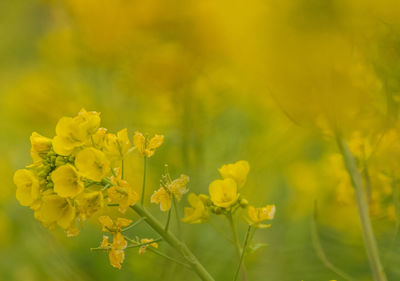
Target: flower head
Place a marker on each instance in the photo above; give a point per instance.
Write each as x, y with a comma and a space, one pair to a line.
27, 187
178, 186
237, 171
223, 193
92, 164
122, 193
168, 190
116, 146
116, 248
54, 209
198, 212
89, 203
40, 146
255, 216
162, 197
67, 181
147, 147
72, 132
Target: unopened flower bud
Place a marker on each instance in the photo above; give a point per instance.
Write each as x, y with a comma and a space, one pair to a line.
244, 203
216, 210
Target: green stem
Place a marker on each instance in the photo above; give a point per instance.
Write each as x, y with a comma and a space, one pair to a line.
144, 180
243, 253
178, 221
316, 242
175, 243
161, 254
236, 241
168, 219
133, 224
371, 246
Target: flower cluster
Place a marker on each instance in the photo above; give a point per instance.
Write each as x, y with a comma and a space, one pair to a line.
73, 173
81, 170
224, 198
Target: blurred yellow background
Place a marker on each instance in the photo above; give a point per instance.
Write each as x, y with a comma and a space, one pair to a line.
223, 81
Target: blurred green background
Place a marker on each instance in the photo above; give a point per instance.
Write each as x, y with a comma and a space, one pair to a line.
223, 81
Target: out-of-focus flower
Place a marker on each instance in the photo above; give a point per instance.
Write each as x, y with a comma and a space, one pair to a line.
40, 146
147, 147
116, 146
27, 187
72, 132
237, 171
198, 212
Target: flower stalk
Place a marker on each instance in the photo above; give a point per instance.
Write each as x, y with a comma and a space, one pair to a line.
371, 246
174, 242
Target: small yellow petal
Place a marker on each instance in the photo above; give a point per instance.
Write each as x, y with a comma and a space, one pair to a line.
92, 164
66, 181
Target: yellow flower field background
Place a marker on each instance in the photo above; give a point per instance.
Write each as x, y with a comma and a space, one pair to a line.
306, 91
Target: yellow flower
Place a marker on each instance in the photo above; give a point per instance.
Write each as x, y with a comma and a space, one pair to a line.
143, 248
116, 146
92, 164
147, 147
197, 213
27, 187
237, 171
257, 215
122, 193
72, 132
223, 193
66, 181
162, 197
89, 203
90, 120
116, 248
109, 225
178, 186
116, 257
40, 146
55, 209
97, 140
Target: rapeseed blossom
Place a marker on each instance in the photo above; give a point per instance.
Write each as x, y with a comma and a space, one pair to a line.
73, 173
255, 216
169, 190
146, 146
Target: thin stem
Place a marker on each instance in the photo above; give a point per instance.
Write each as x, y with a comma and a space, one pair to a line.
175, 243
316, 242
243, 253
178, 221
144, 179
168, 219
371, 246
135, 244
161, 254
234, 234
236, 241
133, 224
